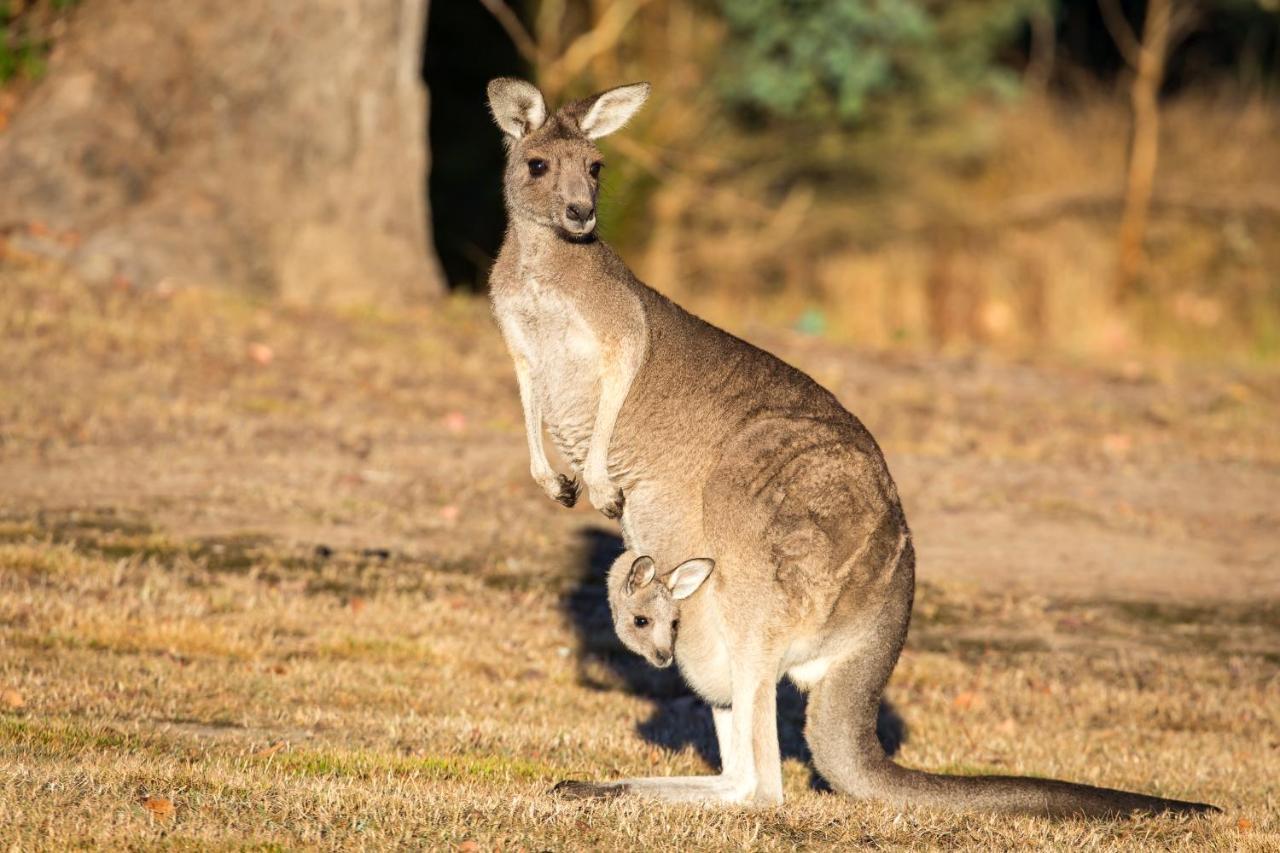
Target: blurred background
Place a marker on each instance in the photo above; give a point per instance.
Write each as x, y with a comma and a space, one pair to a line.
272, 567
1093, 178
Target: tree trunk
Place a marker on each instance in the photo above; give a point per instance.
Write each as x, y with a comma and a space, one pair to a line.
279, 146
1143, 155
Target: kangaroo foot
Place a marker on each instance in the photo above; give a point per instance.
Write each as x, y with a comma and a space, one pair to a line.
571, 789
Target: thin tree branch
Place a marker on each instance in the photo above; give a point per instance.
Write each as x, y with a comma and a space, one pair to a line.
550, 25
510, 22
1185, 18
1121, 32
1044, 43
603, 37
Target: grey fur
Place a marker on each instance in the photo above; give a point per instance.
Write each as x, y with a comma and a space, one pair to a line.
722, 449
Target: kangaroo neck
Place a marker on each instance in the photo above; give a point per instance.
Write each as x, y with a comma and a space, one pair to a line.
540, 250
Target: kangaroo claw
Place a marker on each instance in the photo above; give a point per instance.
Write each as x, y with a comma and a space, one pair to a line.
569, 488
613, 509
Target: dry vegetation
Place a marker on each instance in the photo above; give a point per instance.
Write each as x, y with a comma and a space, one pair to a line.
995, 229
278, 577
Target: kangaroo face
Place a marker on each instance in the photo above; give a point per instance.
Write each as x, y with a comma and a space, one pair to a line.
646, 611
553, 167
552, 179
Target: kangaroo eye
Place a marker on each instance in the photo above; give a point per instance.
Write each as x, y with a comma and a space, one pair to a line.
537, 167
642, 621
595, 169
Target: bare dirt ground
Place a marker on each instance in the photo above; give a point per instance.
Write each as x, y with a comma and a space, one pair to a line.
279, 577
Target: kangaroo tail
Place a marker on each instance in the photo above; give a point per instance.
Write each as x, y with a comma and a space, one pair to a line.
1012, 794
840, 729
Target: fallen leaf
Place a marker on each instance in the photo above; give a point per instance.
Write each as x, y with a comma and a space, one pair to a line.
1117, 443
268, 751
468, 847
12, 700
161, 808
261, 353
968, 699
455, 422
450, 513
356, 604
1244, 824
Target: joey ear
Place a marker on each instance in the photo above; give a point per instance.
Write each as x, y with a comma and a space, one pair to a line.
685, 579
612, 109
642, 574
517, 106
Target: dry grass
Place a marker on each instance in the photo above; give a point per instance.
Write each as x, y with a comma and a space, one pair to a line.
311, 599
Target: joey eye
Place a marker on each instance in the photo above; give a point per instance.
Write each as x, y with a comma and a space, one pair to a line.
595, 169
642, 621
537, 167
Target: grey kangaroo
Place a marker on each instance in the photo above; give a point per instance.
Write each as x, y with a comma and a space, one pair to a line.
700, 443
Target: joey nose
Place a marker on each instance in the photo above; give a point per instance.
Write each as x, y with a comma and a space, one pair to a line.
579, 212
663, 658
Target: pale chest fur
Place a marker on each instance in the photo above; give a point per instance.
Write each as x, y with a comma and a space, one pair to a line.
544, 327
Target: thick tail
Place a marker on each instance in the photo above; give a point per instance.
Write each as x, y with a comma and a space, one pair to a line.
1011, 794
840, 729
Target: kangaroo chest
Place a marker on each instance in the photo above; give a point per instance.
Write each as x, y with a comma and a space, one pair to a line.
545, 328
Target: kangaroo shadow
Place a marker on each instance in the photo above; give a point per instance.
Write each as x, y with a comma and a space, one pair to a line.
679, 717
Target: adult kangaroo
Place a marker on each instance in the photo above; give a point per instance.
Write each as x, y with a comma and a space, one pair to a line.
704, 445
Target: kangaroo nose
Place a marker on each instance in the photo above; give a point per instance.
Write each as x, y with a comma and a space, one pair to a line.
663, 657
579, 212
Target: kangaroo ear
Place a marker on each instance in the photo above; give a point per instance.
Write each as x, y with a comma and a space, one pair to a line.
612, 109
517, 106
688, 576
642, 572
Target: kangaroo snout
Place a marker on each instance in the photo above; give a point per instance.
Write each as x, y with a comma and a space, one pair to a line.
580, 212
579, 219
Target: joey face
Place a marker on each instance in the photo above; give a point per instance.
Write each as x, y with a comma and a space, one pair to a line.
553, 167
646, 608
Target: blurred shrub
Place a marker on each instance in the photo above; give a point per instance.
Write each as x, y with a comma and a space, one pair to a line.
840, 59
27, 29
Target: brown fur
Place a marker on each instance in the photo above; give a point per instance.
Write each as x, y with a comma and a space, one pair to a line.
704, 444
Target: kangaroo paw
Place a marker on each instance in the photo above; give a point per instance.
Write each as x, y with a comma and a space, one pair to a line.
569, 488
613, 508
574, 790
